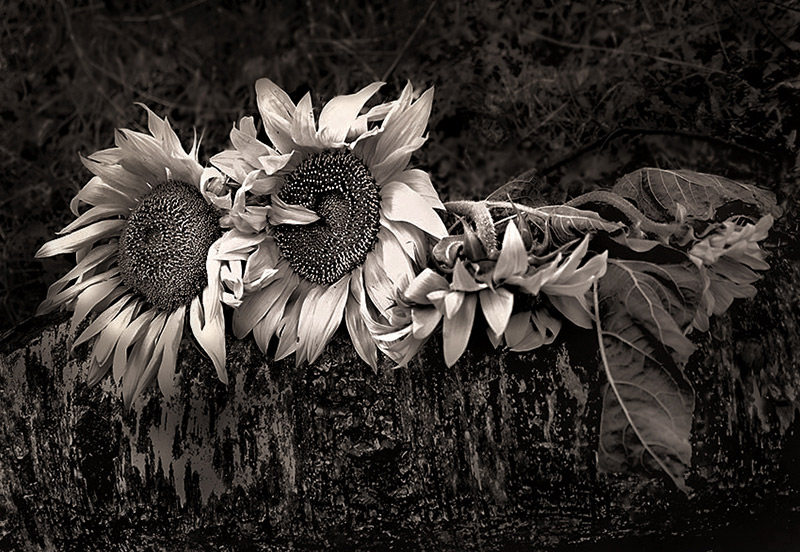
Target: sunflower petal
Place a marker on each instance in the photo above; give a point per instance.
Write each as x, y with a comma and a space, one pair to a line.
277, 111
90, 297
401, 203
320, 316
456, 330
170, 342
140, 364
463, 280
100, 323
496, 306
97, 192
207, 320
403, 126
284, 213
359, 334
92, 260
80, 238
574, 309
129, 335
304, 131
420, 181
94, 214
340, 113
410, 238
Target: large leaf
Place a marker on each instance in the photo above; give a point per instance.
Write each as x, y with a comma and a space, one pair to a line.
658, 193
565, 223
641, 310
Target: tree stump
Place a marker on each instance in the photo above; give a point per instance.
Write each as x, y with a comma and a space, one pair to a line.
495, 453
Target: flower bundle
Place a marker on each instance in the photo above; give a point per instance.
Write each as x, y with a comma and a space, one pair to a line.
326, 221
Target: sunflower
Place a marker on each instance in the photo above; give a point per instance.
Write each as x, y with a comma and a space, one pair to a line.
341, 221
149, 249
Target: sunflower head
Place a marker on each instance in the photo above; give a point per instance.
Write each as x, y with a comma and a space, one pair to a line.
344, 219
148, 250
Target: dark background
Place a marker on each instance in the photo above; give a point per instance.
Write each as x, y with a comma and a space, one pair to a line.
582, 91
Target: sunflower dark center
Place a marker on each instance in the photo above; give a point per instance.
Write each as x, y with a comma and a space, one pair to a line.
341, 190
163, 248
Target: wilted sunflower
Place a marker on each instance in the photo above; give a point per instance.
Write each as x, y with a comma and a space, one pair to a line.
344, 220
149, 249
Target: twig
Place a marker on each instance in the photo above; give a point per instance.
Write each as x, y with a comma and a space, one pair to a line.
408, 42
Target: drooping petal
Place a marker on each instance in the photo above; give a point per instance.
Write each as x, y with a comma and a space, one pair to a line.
359, 334
410, 238
575, 309
320, 316
456, 330
170, 342
92, 260
130, 335
206, 318
94, 214
103, 320
496, 306
80, 238
143, 356
401, 203
90, 297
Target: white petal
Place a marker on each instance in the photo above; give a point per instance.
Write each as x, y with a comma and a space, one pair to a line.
410, 238
420, 181
170, 342
513, 259
456, 330
320, 316
97, 192
80, 238
284, 213
401, 203
207, 320
95, 257
340, 113
424, 321
141, 364
100, 323
404, 126
304, 131
277, 111
129, 335
90, 297
359, 335
496, 306
94, 214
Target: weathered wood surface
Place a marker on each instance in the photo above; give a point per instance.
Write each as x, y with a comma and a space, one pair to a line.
496, 452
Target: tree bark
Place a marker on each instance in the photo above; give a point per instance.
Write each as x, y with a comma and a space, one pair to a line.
495, 453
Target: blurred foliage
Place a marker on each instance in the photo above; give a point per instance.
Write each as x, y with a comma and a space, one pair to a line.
582, 91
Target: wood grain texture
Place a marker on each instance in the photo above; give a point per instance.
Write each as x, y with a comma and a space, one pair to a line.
495, 453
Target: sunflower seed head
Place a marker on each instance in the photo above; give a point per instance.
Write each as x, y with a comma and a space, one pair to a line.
163, 248
342, 191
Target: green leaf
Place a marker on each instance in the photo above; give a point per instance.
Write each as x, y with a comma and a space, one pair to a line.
658, 194
641, 310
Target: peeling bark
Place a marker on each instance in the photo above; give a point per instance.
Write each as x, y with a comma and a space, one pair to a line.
496, 451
